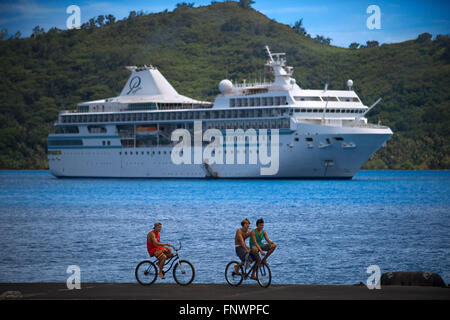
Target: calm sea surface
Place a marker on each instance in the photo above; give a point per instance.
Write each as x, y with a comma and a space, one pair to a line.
327, 232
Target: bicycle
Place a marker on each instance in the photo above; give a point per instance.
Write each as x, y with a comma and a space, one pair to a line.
263, 273
183, 271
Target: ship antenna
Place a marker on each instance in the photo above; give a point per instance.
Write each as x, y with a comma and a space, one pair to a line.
270, 54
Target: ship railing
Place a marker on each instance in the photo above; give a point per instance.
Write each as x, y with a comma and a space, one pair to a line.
366, 125
343, 123
252, 84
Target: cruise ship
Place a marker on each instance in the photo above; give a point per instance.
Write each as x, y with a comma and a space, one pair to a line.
252, 130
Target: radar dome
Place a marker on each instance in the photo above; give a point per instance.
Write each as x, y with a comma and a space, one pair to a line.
225, 86
350, 83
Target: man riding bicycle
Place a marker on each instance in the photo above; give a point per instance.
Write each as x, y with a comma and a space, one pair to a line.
256, 242
157, 248
241, 248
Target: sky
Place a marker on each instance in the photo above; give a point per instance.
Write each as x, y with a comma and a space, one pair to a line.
343, 21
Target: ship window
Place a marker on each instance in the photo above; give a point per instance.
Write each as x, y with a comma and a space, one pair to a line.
297, 139
66, 129
68, 142
83, 108
309, 139
329, 99
348, 99
270, 101
309, 110
339, 139
96, 129
277, 101
297, 110
307, 98
314, 110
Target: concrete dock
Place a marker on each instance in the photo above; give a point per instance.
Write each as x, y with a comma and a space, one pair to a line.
160, 291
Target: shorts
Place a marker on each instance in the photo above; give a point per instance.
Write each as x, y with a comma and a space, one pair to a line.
265, 247
242, 253
158, 253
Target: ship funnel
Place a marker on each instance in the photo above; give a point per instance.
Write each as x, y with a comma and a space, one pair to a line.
147, 81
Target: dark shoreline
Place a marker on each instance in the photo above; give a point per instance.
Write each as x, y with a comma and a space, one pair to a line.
172, 291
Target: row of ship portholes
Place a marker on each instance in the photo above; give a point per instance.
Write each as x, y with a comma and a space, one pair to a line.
137, 153
142, 152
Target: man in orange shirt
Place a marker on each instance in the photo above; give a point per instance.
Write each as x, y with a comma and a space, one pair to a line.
158, 249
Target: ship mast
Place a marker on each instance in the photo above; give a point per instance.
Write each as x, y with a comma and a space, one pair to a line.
281, 72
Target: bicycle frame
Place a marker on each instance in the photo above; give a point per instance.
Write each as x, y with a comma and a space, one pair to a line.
246, 275
176, 258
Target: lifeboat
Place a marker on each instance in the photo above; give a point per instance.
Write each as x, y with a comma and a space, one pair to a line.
146, 130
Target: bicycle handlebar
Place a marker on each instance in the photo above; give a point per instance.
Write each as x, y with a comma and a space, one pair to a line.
179, 248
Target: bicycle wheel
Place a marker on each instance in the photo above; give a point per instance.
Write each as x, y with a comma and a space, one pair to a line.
146, 272
264, 275
233, 279
183, 272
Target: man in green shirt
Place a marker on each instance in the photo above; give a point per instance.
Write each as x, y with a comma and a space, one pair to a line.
256, 240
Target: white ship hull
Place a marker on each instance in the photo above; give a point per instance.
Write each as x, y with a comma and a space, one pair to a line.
298, 158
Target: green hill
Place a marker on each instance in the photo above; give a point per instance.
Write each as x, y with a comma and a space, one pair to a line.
195, 48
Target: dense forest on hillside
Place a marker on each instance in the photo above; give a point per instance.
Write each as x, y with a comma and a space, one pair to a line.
195, 48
